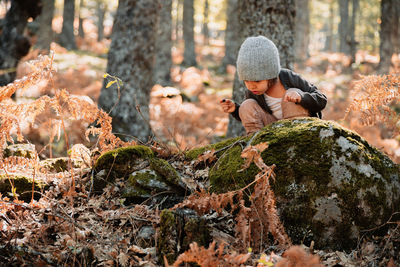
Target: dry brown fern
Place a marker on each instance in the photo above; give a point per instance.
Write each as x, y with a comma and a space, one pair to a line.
210, 257
252, 223
296, 256
374, 96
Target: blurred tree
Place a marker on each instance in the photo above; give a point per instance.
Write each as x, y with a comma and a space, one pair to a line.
189, 54
388, 20
329, 28
67, 36
101, 12
353, 43
396, 25
232, 34
13, 44
302, 31
45, 34
344, 26
131, 58
205, 23
177, 18
275, 20
162, 74
81, 32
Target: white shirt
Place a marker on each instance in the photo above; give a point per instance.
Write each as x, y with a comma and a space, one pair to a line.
275, 104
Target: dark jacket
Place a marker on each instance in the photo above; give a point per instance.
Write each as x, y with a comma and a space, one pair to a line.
311, 99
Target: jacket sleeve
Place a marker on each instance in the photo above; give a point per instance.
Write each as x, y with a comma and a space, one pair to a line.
235, 114
311, 98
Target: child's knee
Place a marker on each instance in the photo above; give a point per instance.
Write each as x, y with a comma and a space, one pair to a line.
248, 106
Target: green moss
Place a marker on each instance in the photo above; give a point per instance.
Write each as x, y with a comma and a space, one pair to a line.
165, 170
196, 230
20, 150
23, 186
120, 162
167, 238
59, 164
196, 152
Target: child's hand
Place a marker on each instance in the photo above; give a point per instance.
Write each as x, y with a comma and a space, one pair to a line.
227, 105
292, 96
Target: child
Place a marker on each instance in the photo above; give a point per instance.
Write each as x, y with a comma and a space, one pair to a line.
274, 93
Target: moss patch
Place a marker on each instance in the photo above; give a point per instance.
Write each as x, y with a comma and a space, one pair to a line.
23, 186
196, 152
20, 150
120, 162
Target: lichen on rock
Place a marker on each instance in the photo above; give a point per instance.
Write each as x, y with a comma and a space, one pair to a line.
23, 186
20, 150
330, 185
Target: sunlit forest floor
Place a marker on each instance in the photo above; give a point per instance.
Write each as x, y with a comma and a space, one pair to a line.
187, 113
184, 115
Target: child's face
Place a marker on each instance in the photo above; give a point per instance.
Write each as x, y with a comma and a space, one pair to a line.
257, 87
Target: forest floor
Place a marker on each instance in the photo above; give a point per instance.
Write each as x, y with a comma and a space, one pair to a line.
70, 227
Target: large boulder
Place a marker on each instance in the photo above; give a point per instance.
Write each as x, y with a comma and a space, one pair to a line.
331, 185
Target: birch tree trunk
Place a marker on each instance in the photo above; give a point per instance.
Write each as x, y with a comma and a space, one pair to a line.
45, 33
13, 45
275, 20
189, 55
131, 58
162, 71
67, 37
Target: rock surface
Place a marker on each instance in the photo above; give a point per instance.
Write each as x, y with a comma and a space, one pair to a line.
331, 184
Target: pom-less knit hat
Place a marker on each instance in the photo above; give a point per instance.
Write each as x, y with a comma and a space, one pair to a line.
258, 59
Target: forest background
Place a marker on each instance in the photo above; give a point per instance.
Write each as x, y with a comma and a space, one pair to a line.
161, 72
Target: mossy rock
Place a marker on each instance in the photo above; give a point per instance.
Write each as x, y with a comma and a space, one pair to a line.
20, 150
142, 184
23, 187
330, 184
60, 164
178, 229
120, 163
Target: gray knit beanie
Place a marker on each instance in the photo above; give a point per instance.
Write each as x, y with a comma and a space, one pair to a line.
258, 59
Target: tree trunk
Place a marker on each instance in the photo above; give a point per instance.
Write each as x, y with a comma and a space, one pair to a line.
388, 10
189, 55
275, 20
205, 23
67, 37
353, 42
232, 34
131, 58
13, 45
329, 27
344, 26
162, 74
101, 12
302, 31
396, 30
81, 32
178, 20
45, 33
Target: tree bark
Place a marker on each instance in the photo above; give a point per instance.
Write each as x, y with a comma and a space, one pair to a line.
131, 58
344, 26
302, 31
232, 34
189, 55
101, 12
13, 45
81, 32
388, 10
67, 37
353, 42
329, 27
275, 20
205, 23
162, 74
45, 33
